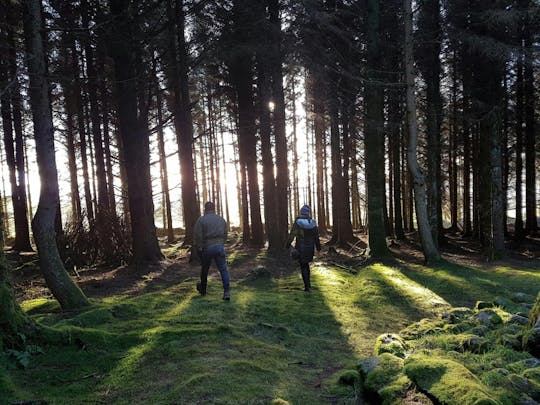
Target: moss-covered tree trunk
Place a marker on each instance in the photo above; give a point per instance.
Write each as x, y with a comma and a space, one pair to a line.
43, 225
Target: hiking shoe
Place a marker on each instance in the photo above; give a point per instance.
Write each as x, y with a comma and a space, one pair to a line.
307, 289
227, 296
200, 289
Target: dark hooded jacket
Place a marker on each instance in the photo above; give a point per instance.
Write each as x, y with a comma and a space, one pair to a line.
306, 232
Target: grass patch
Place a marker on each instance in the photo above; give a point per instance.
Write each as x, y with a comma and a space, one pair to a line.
271, 343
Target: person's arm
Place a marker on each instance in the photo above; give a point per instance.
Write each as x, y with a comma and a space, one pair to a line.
292, 235
198, 242
317, 239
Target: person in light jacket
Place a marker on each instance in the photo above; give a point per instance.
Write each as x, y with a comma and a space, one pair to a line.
306, 233
210, 235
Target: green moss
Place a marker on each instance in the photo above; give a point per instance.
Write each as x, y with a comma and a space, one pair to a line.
390, 343
386, 381
348, 377
446, 380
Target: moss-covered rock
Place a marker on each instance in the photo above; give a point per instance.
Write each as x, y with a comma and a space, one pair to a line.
496, 378
518, 320
531, 341
457, 314
488, 317
483, 305
422, 328
348, 377
386, 382
446, 380
390, 343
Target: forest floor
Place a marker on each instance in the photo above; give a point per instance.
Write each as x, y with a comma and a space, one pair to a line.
150, 338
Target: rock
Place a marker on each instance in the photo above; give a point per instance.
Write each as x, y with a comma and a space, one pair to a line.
446, 380
487, 317
483, 305
518, 367
348, 377
518, 320
390, 343
531, 341
519, 296
475, 344
526, 400
366, 365
522, 384
497, 378
511, 341
387, 383
457, 314
503, 302
479, 330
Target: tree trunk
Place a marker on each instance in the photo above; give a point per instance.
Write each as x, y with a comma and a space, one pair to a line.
319, 129
265, 129
531, 221
428, 245
134, 132
374, 135
282, 164
394, 117
95, 119
519, 231
430, 66
22, 229
43, 224
183, 122
163, 169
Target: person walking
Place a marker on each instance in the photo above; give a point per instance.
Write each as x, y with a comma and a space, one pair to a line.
306, 233
210, 235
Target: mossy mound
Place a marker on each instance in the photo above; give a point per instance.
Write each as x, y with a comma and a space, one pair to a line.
447, 380
384, 380
469, 356
390, 343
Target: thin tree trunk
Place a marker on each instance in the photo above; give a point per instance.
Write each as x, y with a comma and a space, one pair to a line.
43, 224
519, 231
531, 221
22, 229
163, 169
95, 119
319, 129
428, 245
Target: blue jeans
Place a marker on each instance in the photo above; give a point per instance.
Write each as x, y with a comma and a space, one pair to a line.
216, 253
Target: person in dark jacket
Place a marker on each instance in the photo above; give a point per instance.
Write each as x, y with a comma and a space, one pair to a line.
209, 239
306, 233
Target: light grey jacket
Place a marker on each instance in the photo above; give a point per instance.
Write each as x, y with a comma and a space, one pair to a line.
210, 230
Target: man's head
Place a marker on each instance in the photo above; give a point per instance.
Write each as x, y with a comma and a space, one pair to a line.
305, 211
209, 207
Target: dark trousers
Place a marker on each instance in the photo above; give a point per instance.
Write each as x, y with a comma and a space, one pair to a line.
304, 269
214, 253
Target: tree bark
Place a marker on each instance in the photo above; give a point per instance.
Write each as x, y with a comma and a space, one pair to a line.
43, 224
430, 66
519, 231
428, 245
278, 119
374, 135
531, 206
134, 132
183, 121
